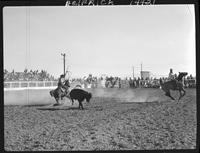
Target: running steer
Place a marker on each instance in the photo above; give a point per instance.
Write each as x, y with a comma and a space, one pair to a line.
80, 95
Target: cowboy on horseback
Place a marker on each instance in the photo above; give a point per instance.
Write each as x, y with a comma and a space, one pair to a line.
173, 84
172, 76
63, 85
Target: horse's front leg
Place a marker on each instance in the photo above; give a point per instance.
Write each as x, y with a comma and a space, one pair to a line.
57, 101
181, 95
59, 98
169, 95
184, 92
62, 95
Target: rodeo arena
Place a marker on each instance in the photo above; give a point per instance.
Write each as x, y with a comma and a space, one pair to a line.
47, 113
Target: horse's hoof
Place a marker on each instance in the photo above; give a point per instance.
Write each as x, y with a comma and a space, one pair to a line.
55, 104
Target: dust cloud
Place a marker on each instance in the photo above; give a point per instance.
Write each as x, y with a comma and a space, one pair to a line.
128, 95
42, 97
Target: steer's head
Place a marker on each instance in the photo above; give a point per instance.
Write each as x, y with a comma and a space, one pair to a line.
89, 96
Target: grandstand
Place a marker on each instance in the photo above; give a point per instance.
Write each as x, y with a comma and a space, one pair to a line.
28, 76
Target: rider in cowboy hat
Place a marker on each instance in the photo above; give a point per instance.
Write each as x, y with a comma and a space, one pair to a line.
171, 75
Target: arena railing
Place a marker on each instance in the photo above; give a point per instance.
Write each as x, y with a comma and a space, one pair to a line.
29, 84
52, 84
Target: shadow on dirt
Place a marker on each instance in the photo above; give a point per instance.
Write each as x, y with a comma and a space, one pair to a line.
58, 107
53, 108
36, 105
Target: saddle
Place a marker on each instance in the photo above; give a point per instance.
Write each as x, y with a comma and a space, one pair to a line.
177, 83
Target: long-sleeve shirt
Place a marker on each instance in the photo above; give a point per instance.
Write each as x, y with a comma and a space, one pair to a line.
61, 82
171, 76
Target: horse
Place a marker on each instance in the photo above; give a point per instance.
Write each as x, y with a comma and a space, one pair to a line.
110, 82
58, 93
175, 84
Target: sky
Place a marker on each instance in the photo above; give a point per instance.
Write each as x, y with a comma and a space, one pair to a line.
100, 40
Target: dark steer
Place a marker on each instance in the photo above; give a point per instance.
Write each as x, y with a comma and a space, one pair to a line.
80, 95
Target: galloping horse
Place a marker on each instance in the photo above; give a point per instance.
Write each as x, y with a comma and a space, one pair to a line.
174, 85
110, 81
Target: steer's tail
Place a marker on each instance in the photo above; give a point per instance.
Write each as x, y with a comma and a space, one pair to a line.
77, 86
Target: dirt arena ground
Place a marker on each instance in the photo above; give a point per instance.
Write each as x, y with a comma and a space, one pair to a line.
106, 123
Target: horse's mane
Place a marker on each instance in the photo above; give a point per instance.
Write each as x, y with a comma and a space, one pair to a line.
181, 75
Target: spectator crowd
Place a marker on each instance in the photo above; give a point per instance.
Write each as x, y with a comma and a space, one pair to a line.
111, 82
28, 75
93, 82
